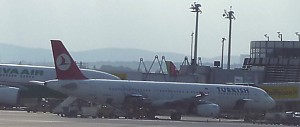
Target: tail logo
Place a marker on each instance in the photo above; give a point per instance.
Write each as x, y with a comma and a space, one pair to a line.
63, 62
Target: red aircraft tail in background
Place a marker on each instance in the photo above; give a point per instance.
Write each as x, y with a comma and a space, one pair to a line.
171, 68
65, 66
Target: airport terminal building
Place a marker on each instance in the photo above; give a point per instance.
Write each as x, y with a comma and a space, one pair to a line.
280, 63
280, 60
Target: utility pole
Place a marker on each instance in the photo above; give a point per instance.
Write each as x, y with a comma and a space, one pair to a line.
195, 8
229, 15
223, 40
192, 40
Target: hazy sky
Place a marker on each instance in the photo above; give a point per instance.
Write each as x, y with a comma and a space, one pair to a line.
154, 25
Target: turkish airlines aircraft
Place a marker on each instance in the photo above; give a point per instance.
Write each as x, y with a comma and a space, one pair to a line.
160, 98
21, 78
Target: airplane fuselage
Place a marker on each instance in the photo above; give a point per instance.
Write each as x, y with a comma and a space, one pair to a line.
153, 97
20, 76
12, 73
160, 93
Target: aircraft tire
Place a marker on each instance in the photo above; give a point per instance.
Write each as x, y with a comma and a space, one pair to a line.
176, 116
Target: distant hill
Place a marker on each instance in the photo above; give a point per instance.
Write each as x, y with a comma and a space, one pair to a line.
15, 54
120, 54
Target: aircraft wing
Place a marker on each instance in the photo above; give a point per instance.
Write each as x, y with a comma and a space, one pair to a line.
23, 86
34, 89
14, 84
195, 100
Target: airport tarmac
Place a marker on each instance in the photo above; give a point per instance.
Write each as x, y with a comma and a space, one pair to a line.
24, 119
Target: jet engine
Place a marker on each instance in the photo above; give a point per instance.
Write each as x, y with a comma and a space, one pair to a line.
208, 110
9, 95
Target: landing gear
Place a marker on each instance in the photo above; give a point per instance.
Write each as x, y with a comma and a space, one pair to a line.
250, 117
150, 115
176, 116
139, 107
140, 113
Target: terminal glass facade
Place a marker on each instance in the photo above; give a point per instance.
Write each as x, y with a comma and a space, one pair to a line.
274, 49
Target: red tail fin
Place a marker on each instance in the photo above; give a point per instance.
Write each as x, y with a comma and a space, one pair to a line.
171, 68
65, 66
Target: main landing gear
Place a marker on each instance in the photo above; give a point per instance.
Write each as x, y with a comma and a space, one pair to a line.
176, 116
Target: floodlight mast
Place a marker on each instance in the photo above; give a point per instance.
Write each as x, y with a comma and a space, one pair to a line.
229, 15
192, 40
279, 35
297, 33
195, 8
267, 36
223, 41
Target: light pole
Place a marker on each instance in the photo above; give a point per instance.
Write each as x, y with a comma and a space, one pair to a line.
267, 36
223, 40
229, 15
297, 33
195, 8
192, 40
280, 36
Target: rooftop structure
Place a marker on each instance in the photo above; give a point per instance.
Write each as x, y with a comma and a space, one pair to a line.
280, 60
274, 49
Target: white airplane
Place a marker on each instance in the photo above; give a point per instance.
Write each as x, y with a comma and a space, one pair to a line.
21, 78
160, 98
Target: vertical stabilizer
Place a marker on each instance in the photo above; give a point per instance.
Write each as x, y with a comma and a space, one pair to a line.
65, 66
171, 68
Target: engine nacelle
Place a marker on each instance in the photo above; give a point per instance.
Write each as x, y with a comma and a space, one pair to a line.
208, 110
9, 95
